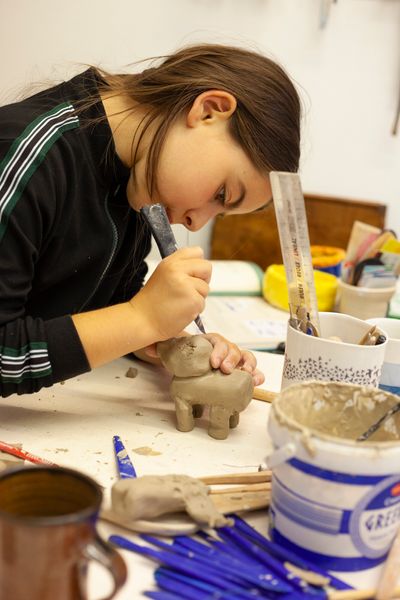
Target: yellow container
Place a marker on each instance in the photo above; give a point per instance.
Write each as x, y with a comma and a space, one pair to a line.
276, 293
326, 256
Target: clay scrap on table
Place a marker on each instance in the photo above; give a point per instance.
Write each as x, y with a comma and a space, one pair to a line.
150, 496
131, 372
196, 384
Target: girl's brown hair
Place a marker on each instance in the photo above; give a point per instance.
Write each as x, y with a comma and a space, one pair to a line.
266, 122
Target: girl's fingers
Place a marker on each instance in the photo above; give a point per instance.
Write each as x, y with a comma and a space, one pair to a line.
248, 361
258, 377
225, 355
201, 287
219, 353
151, 351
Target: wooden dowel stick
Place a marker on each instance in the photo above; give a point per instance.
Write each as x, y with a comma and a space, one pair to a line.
358, 594
390, 573
240, 502
236, 489
255, 477
264, 395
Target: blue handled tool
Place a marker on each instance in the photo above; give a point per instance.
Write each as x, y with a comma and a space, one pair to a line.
126, 470
157, 219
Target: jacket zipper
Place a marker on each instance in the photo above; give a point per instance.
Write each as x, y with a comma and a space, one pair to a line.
113, 248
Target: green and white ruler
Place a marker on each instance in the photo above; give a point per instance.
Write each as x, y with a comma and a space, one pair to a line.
295, 245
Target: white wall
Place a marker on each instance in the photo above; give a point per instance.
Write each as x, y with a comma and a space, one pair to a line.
349, 71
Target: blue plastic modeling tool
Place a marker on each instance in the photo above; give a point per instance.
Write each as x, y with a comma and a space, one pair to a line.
286, 555
162, 596
193, 589
249, 573
179, 563
264, 558
125, 467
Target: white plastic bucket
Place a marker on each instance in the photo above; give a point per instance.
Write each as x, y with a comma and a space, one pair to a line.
334, 501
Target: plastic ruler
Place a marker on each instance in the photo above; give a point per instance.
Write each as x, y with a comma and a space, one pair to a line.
295, 245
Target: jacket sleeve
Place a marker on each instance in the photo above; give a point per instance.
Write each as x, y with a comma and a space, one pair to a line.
131, 282
34, 352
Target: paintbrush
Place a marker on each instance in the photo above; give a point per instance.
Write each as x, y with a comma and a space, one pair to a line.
9, 449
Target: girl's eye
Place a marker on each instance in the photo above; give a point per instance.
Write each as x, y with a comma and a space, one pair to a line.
221, 196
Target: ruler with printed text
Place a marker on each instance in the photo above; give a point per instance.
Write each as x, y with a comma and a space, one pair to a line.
295, 245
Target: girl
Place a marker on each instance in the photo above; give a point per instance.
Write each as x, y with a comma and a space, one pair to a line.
198, 133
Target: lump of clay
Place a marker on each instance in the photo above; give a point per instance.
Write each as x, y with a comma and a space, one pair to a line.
150, 496
194, 386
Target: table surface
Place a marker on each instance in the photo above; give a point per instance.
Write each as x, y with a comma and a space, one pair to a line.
73, 423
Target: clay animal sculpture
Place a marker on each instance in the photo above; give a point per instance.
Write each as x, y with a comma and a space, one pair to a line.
196, 384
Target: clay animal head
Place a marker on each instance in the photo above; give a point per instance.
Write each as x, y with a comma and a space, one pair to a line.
196, 384
186, 356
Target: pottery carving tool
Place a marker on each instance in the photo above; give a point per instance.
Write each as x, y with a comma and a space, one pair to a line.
367, 434
157, 219
295, 245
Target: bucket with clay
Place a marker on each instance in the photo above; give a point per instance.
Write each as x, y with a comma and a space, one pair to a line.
335, 500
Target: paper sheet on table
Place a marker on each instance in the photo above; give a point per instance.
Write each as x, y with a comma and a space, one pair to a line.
250, 322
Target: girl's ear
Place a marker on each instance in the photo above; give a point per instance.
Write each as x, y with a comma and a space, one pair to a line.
211, 106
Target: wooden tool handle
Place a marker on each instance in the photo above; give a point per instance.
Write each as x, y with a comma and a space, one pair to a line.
253, 477
240, 489
246, 501
358, 594
264, 395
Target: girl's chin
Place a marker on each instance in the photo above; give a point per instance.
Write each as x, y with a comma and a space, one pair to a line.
170, 218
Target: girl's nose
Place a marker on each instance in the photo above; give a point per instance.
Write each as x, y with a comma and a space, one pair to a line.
195, 219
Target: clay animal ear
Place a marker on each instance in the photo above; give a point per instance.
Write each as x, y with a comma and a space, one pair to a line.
186, 356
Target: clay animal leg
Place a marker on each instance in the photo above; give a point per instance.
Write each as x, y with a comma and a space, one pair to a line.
234, 420
198, 410
184, 414
219, 422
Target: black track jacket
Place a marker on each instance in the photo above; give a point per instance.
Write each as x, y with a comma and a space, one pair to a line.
69, 242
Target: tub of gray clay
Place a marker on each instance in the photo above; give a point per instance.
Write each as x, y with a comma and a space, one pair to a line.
333, 497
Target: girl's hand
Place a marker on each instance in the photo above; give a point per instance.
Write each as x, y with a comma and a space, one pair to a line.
226, 356
175, 293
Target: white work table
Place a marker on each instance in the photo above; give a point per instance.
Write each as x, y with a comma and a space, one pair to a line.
72, 424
